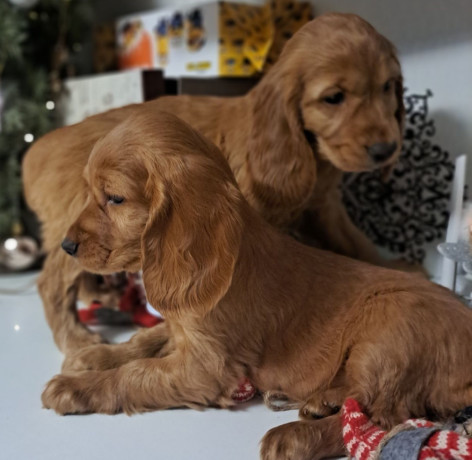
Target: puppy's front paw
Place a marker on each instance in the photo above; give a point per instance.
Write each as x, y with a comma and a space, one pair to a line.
79, 338
63, 395
94, 357
286, 442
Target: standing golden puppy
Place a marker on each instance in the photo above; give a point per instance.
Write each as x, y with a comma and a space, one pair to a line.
332, 103
243, 300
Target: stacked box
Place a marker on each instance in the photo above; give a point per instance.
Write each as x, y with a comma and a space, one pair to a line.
86, 96
208, 40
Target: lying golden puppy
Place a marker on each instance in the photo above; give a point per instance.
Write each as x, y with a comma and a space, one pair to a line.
242, 300
332, 103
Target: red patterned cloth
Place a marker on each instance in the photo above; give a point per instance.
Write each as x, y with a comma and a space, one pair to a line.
244, 392
131, 309
366, 441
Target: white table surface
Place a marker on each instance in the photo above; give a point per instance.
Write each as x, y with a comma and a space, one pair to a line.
29, 358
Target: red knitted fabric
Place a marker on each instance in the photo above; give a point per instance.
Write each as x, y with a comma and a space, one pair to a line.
447, 445
362, 437
244, 392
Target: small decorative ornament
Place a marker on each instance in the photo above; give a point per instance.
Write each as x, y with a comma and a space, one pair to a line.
459, 252
18, 253
457, 249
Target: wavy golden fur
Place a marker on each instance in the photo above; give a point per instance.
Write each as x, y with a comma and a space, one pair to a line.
334, 95
242, 299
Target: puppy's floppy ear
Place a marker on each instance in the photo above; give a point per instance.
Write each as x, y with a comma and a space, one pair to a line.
281, 162
400, 112
386, 171
191, 241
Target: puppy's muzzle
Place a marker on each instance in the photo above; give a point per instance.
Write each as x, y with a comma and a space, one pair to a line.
69, 246
382, 151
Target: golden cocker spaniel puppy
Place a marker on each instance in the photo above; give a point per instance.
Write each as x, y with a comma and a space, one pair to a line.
332, 103
243, 300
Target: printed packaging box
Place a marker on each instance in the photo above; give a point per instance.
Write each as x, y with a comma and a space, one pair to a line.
208, 40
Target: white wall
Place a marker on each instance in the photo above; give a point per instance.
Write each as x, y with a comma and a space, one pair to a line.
447, 71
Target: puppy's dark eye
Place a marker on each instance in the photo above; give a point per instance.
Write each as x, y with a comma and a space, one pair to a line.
115, 199
387, 86
334, 99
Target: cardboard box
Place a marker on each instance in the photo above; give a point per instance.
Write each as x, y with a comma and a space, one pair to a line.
90, 95
208, 40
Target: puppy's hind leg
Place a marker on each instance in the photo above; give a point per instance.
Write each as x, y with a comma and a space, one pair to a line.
304, 440
323, 403
278, 401
57, 285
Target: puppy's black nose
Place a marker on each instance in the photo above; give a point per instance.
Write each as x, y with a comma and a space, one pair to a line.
69, 246
381, 151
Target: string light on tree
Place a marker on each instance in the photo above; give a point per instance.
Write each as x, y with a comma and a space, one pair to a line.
29, 138
10, 244
24, 3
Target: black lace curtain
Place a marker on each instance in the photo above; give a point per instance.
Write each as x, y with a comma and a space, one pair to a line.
411, 208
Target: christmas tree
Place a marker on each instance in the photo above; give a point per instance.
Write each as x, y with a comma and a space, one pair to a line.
40, 44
